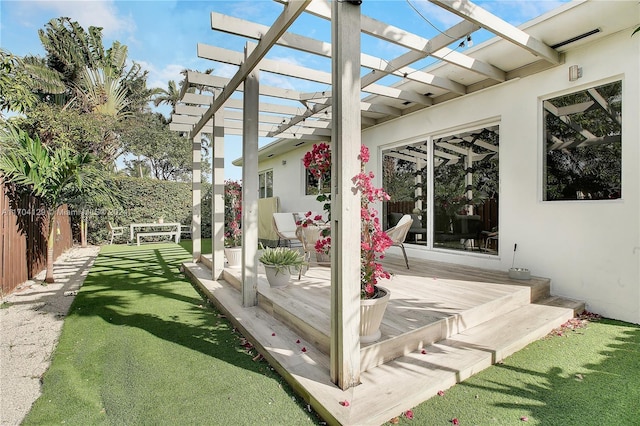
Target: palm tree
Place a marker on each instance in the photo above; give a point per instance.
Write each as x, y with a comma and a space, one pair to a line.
52, 176
170, 96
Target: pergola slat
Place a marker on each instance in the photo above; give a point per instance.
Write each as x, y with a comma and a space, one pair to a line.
471, 12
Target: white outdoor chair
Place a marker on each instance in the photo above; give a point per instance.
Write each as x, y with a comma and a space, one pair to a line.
399, 233
185, 229
114, 231
284, 225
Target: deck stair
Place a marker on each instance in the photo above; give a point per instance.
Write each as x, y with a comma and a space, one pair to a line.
440, 328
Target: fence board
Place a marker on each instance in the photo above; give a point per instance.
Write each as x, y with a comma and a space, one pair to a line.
23, 242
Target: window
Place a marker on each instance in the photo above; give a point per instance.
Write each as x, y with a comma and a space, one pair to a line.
583, 144
460, 194
465, 190
312, 185
265, 184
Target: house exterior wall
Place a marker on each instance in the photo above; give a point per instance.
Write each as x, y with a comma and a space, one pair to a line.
288, 181
589, 249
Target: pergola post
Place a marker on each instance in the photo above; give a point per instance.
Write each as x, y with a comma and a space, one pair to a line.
345, 208
250, 188
196, 197
217, 198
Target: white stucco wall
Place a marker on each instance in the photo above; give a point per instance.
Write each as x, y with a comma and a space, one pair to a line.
288, 181
589, 249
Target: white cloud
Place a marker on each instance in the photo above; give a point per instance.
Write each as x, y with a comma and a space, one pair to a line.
160, 77
97, 13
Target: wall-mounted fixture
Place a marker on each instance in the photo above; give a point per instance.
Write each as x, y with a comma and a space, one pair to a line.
575, 72
284, 162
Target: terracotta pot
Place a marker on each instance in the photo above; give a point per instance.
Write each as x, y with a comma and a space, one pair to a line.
234, 256
371, 313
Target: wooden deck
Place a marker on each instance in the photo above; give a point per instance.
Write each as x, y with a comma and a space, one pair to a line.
443, 324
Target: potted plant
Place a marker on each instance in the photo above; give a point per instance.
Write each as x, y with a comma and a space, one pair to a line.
278, 262
232, 221
373, 243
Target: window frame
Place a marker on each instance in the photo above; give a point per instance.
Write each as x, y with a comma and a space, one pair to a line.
543, 169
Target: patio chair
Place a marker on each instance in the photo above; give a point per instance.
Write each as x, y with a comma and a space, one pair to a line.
284, 225
399, 233
114, 231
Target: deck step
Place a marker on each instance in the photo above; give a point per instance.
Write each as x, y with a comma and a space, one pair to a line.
453, 360
401, 384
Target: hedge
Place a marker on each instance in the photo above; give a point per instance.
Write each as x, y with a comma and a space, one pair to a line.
146, 200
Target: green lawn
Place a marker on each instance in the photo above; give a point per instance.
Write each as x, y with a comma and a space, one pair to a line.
140, 346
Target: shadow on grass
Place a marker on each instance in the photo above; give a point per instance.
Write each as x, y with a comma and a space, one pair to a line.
142, 287
603, 391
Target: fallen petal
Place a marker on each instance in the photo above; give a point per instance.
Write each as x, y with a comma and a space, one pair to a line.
440, 393
304, 349
273, 334
395, 420
298, 341
409, 414
424, 352
455, 421
344, 403
524, 418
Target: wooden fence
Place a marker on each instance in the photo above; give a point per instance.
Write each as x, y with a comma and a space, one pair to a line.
23, 238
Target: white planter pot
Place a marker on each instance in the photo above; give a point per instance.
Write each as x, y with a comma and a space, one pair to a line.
234, 256
277, 278
371, 313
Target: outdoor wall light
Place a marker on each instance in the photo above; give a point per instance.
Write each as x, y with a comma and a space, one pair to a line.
575, 72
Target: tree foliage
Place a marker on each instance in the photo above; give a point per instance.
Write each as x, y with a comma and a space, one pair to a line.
54, 176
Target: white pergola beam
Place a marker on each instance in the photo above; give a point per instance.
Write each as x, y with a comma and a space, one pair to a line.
474, 13
389, 33
291, 11
240, 27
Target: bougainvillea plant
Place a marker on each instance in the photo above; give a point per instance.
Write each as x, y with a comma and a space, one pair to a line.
232, 213
374, 241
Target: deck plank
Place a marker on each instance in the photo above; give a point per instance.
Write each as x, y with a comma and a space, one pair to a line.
464, 318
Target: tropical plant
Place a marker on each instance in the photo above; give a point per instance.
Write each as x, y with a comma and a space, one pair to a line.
373, 240
282, 258
232, 213
52, 175
15, 84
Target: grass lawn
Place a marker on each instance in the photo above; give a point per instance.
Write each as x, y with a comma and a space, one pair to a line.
140, 346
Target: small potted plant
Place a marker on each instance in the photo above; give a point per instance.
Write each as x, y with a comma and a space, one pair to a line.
278, 262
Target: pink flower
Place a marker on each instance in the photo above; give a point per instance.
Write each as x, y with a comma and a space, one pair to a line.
455, 421
374, 240
409, 414
440, 393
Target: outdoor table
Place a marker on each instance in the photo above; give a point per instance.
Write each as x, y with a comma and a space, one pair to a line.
169, 225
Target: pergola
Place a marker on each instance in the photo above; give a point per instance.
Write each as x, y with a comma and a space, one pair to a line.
363, 91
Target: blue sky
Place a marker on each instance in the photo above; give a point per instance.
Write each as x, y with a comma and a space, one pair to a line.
162, 35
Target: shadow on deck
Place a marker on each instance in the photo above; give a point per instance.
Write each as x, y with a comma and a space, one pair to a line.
444, 323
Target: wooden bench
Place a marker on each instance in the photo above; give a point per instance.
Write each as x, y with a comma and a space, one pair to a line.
155, 234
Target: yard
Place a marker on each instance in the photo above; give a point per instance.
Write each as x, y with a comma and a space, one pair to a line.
140, 346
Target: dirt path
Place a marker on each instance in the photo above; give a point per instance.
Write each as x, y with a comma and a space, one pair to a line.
30, 324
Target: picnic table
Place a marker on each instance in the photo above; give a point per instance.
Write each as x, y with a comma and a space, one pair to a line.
154, 229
